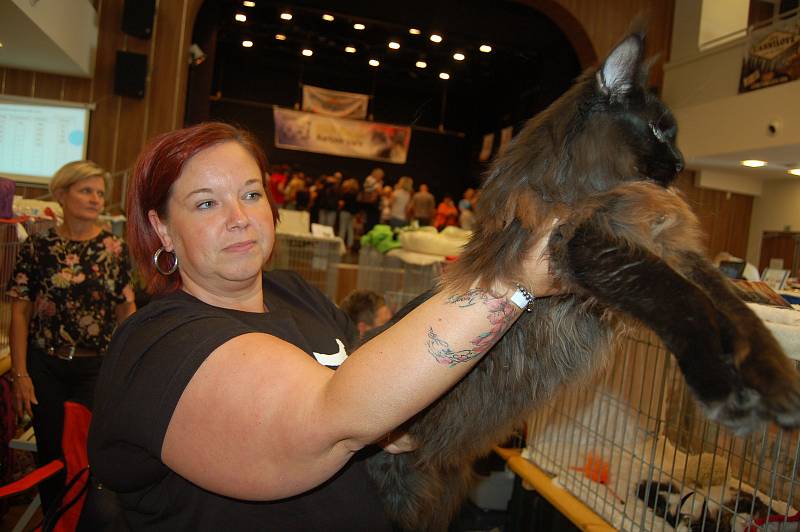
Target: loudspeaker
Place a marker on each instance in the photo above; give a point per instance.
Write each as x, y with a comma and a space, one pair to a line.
130, 74
137, 18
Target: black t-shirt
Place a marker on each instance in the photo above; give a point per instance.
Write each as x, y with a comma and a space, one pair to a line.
152, 358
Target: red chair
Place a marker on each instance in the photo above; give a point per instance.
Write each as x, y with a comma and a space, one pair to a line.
76, 461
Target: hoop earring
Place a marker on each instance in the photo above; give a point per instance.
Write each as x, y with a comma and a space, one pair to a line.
157, 255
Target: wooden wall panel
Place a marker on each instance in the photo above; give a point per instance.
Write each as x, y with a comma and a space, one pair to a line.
724, 216
604, 23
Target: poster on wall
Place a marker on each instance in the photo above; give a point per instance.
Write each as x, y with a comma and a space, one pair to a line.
334, 103
298, 130
772, 56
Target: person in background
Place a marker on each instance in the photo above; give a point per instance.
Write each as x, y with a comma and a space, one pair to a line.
446, 213
328, 199
367, 309
466, 210
348, 208
423, 205
398, 203
70, 288
296, 185
370, 197
386, 204
277, 183
465, 203
219, 407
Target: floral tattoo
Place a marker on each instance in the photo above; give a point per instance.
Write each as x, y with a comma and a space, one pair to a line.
500, 316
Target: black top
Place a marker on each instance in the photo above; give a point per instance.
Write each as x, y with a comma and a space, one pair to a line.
152, 358
74, 286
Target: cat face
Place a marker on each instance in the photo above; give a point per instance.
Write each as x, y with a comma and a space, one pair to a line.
638, 130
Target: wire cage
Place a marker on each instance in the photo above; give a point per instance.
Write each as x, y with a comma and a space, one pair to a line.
10, 241
637, 450
397, 280
314, 258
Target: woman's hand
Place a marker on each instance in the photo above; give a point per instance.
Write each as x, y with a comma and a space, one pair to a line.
541, 282
24, 395
397, 442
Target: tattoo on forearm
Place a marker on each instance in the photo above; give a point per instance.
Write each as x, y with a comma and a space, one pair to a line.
500, 316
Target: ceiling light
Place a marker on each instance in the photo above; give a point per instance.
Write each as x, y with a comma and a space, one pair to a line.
247, 44
240, 17
327, 17
280, 37
394, 45
306, 52
435, 37
358, 26
414, 31
421, 64
374, 62
350, 49
458, 56
754, 163
485, 48
444, 75
286, 15
248, 3
1, 45
795, 171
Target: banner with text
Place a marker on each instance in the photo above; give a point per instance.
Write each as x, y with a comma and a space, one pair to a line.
334, 103
297, 130
772, 56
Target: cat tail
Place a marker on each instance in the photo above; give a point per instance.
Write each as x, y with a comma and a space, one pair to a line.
418, 498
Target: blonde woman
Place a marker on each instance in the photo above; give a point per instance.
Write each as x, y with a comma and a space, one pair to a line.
71, 286
399, 201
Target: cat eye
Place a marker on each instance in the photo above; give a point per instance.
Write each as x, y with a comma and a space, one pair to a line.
658, 133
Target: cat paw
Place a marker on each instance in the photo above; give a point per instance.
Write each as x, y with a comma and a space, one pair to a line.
764, 393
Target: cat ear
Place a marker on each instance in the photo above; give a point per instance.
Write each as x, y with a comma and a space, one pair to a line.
621, 69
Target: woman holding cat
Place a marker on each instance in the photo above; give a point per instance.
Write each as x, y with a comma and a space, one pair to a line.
213, 413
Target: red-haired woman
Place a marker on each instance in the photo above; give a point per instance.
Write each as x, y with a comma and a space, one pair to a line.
212, 412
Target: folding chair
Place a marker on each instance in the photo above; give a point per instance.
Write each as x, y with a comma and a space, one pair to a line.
76, 462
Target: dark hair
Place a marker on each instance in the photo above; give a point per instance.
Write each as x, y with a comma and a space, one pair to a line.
158, 166
361, 305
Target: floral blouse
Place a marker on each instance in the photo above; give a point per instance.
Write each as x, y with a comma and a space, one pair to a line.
75, 287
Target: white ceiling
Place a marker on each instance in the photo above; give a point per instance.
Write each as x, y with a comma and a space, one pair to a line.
56, 36
779, 160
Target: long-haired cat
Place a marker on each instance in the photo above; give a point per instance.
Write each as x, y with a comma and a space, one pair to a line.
626, 246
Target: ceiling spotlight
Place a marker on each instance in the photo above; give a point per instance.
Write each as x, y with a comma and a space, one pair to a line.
248, 3
327, 17
240, 17
421, 64
374, 62
458, 56
394, 45
247, 44
485, 48
286, 15
350, 49
414, 31
444, 75
795, 171
754, 163
435, 37
306, 52
280, 37
358, 26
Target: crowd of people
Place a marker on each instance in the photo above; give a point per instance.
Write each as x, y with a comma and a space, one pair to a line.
353, 207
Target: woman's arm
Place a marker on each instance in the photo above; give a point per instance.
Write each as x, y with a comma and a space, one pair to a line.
24, 395
261, 420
